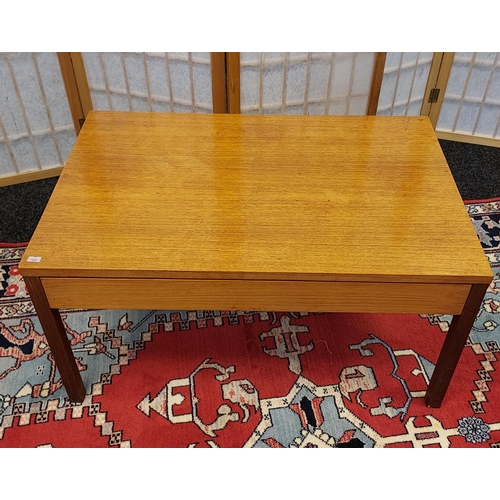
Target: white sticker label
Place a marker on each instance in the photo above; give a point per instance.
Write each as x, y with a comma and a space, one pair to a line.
33, 259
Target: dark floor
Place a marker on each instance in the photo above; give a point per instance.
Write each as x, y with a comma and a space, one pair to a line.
476, 170
21, 206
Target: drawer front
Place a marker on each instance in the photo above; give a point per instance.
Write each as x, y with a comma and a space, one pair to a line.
255, 295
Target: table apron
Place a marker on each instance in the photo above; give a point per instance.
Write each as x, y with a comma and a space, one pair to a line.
255, 295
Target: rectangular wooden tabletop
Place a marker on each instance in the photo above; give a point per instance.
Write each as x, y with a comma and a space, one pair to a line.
160, 195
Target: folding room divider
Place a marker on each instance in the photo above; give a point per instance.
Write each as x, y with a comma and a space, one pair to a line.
46, 96
461, 96
36, 127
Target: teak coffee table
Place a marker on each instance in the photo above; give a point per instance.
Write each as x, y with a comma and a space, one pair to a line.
252, 212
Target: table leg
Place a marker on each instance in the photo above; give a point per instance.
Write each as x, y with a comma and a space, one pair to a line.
453, 345
56, 336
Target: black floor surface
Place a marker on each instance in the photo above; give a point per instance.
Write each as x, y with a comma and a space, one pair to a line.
476, 170
21, 206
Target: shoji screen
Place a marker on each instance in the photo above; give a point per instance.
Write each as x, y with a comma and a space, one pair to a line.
150, 81
332, 83
404, 83
472, 99
36, 127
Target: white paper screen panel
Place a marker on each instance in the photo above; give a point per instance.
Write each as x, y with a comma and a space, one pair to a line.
471, 103
404, 82
314, 83
150, 81
36, 127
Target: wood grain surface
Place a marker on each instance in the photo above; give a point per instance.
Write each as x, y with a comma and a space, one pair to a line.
159, 195
255, 295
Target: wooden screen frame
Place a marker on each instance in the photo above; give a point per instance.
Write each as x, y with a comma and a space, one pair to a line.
78, 90
80, 103
376, 86
226, 83
77, 86
438, 78
233, 82
218, 63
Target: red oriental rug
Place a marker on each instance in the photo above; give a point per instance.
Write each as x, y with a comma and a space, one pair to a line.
248, 379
